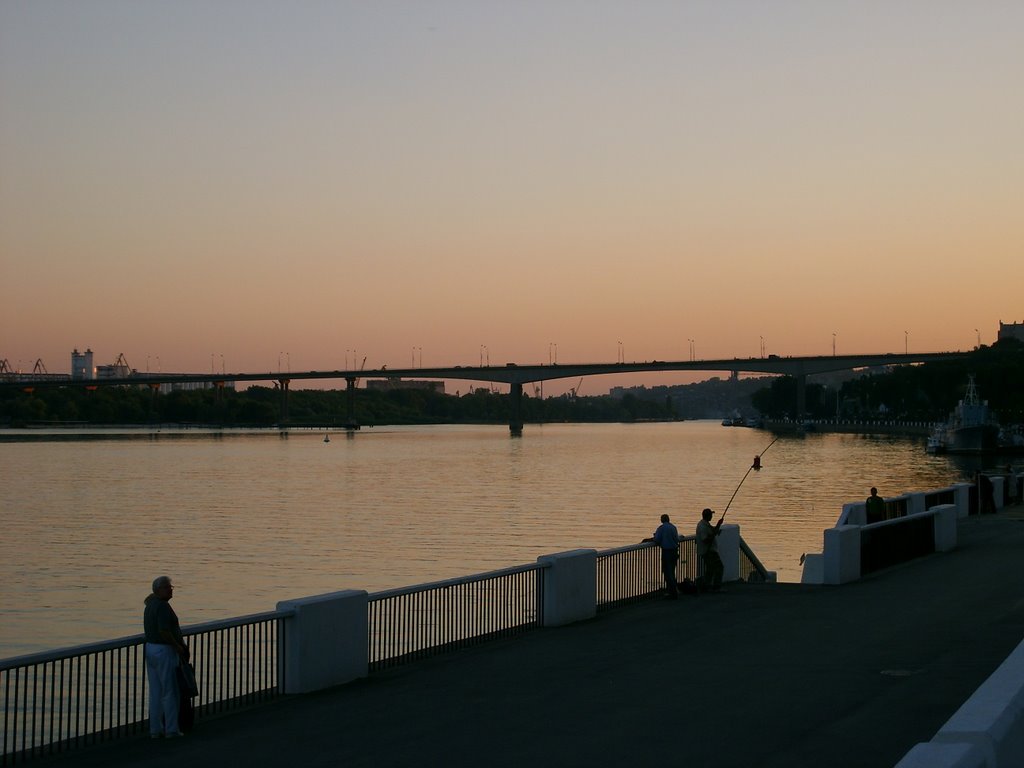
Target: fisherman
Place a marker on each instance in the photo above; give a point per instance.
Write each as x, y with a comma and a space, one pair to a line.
667, 538
707, 549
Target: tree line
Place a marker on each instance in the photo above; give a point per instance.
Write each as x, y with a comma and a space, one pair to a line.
913, 392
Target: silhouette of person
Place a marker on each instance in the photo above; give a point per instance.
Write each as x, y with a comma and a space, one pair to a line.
874, 507
165, 650
667, 539
707, 549
986, 495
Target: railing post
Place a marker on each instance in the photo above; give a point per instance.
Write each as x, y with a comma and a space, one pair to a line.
729, 551
325, 640
962, 495
997, 490
915, 503
842, 554
945, 527
570, 586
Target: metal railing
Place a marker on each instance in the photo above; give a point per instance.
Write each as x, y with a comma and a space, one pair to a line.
427, 619
938, 497
633, 573
59, 700
751, 569
895, 541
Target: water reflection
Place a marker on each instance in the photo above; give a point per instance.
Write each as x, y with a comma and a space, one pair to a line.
243, 520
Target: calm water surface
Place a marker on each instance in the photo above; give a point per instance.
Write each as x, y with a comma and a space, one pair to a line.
242, 520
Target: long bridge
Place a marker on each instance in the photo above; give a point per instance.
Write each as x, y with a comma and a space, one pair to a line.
513, 374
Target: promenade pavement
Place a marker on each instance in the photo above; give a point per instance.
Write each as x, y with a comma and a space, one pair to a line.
761, 675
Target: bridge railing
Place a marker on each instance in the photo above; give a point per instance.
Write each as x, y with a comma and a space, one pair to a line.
59, 700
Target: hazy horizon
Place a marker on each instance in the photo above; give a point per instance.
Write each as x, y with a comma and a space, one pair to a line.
424, 181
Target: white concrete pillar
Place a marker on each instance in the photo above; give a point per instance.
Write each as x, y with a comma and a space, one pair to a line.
814, 569
570, 586
945, 527
854, 513
915, 503
962, 494
842, 554
729, 551
997, 489
325, 640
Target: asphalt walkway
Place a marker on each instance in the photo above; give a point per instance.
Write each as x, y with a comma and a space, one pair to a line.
761, 675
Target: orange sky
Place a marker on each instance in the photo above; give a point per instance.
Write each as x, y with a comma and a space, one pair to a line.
251, 180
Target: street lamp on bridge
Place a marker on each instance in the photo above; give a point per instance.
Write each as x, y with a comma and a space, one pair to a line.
833, 343
906, 342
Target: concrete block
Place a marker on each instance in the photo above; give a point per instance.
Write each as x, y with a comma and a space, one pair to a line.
945, 527
842, 554
325, 640
854, 513
915, 503
962, 492
814, 569
993, 717
932, 755
998, 481
729, 551
570, 586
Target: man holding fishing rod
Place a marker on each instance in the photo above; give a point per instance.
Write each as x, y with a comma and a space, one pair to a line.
707, 550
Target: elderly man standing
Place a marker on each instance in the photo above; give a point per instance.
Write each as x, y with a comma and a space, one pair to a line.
165, 648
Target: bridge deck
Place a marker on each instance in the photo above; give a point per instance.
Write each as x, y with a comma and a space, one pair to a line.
759, 676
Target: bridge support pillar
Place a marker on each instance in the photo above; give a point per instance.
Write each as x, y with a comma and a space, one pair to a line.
515, 420
350, 417
283, 383
801, 395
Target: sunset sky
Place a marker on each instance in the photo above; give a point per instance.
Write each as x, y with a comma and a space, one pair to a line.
257, 179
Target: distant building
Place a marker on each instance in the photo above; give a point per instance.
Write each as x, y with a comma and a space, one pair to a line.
81, 366
390, 384
1011, 331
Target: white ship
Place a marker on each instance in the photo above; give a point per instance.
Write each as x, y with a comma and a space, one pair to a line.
971, 427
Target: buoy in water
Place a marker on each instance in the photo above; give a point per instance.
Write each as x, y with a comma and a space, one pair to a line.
757, 464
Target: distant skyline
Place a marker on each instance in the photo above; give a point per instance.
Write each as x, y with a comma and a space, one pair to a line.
429, 180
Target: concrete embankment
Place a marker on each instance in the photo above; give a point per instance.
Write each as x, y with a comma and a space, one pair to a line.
762, 675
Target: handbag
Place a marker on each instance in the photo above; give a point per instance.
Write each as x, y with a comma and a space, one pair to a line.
187, 679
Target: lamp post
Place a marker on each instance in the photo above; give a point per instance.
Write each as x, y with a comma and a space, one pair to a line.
833, 343
622, 354
906, 342
762, 346
978, 334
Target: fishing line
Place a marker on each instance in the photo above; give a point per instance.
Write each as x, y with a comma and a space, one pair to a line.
755, 465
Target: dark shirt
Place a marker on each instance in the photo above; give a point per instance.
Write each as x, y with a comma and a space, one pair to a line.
874, 509
667, 536
159, 616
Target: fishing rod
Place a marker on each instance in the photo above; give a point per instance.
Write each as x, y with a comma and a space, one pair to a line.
756, 465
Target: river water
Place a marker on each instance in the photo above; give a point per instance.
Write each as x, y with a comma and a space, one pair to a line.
244, 519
